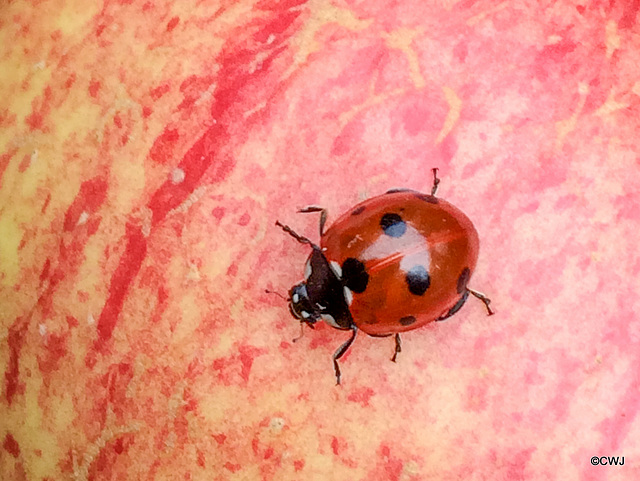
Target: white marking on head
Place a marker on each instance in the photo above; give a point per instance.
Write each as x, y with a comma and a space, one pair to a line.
305, 314
328, 318
337, 270
348, 295
307, 269
295, 298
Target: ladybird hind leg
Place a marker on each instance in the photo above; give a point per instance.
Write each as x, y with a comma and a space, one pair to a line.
398, 347
484, 299
323, 215
341, 352
436, 181
458, 305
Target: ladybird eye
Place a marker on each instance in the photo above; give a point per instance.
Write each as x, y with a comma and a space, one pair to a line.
295, 298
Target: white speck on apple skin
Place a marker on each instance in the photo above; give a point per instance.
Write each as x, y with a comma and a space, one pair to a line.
84, 217
177, 176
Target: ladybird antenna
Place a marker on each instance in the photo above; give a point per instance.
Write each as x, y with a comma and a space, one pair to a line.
299, 238
277, 294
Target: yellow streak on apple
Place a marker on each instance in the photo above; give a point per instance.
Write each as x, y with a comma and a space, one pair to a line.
29, 425
9, 258
189, 318
455, 106
127, 182
215, 410
402, 39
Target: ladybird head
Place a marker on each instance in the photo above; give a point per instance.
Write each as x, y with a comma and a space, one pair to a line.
300, 305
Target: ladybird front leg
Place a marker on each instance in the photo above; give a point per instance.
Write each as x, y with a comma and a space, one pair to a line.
341, 351
323, 215
398, 347
484, 299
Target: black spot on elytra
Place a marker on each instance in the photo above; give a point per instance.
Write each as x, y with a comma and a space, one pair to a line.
359, 210
393, 225
354, 275
463, 280
418, 280
431, 199
407, 321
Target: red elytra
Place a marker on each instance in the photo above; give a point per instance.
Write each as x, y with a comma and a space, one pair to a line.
390, 264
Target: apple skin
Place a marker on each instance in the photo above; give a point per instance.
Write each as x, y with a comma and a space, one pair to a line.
146, 149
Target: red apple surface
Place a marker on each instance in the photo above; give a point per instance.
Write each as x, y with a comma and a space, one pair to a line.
146, 150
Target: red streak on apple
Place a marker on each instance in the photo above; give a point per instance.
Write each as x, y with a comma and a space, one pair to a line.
162, 149
54, 350
389, 464
94, 88
24, 165
129, 266
15, 341
40, 108
89, 199
298, 465
335, 445
173, 23
200, 458
233, 467
192, 89
4, 161
158, 92
361, 395
630, 14
11, 446
72, 321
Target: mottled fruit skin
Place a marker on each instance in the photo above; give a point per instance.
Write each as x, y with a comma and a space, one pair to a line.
390, 264
418, 261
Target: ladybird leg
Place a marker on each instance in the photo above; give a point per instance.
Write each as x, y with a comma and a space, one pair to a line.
323, 215
301, 333
398, 347
436, 181
341, 351
484, 299
299, 238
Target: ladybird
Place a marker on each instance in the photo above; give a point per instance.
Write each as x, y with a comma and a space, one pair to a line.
391, 264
